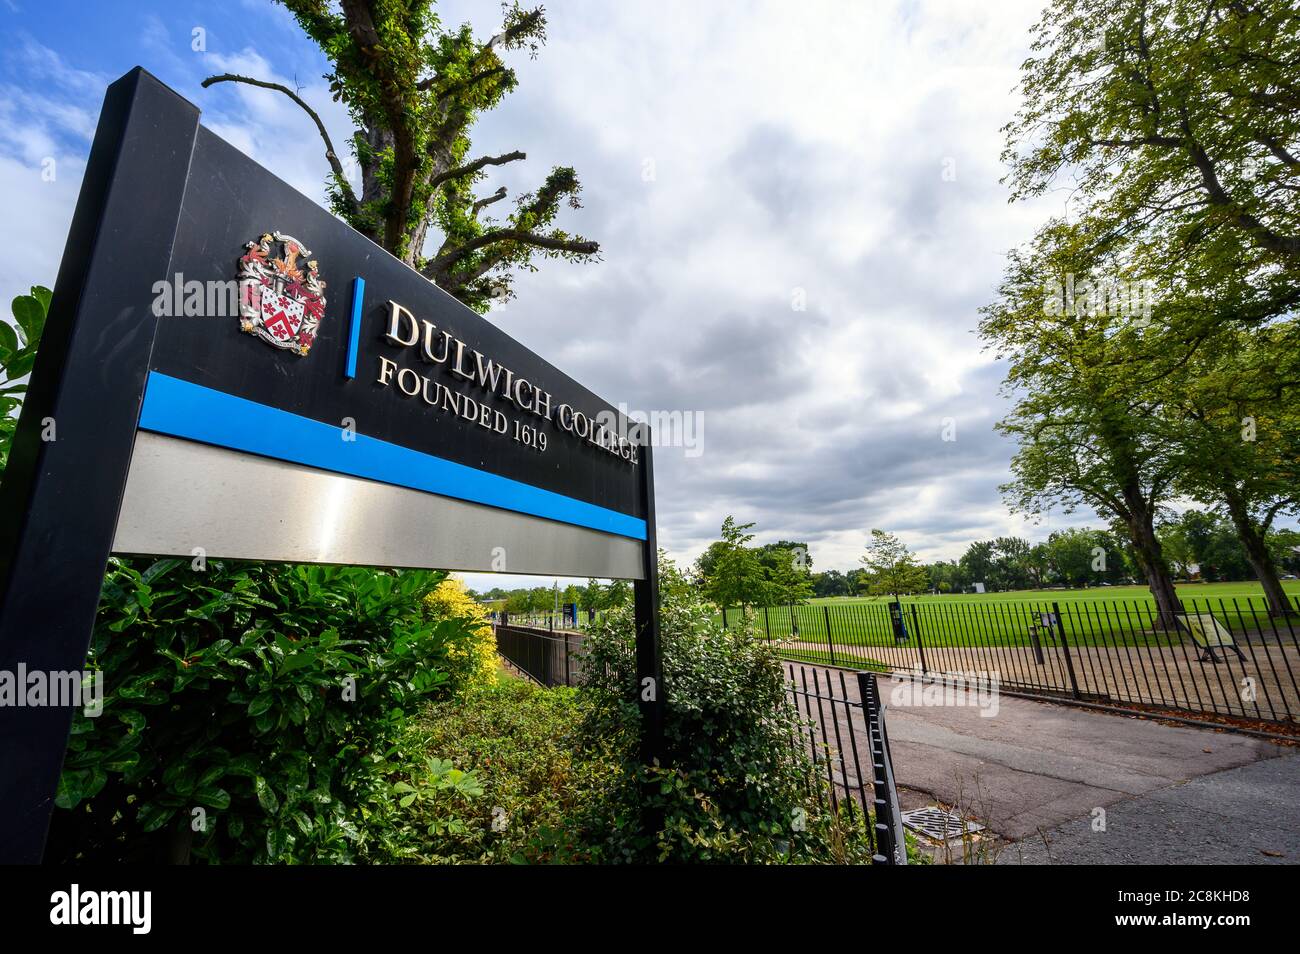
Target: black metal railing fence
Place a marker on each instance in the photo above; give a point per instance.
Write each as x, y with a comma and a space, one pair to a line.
1222, 657
549, 658
844, 733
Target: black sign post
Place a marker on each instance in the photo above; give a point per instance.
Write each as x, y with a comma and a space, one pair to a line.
229, 370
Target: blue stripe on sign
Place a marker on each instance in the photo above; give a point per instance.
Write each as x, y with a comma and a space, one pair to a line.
197, 413
354, 330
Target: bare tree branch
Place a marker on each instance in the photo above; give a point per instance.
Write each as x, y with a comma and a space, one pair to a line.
1286, 244
494, 197
443, 262
469, 82
578, 246
1278, 150
330, 154
475, 166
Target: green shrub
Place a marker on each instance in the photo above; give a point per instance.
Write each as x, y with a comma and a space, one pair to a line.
18, 343
526, 791
731, 785
249, 710
475, 662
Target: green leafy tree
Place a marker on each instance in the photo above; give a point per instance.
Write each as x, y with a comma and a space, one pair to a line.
978, 561
1011, 563
1036, 565
1086, 417
1080, 556
1177, 549
1206, 540
786, 579
735, 576
618, 594
414, 88
1176, 123
1238, 396
591, 596
1284, 545
541, 599
796, 549
948, 576
830, 583
708, 560
891, 568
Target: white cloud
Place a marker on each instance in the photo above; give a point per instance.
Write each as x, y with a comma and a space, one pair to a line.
794, 146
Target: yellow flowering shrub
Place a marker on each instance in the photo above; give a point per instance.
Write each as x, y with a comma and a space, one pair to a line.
474, 661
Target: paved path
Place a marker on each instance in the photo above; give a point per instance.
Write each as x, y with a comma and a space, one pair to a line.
1033, 767
1245, 815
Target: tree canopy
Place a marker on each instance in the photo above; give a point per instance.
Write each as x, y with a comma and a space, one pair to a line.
414, 89
1177, 121
892, 570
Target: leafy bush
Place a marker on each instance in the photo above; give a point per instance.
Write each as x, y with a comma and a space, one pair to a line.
18, 344
249, 710
473, 661
731, 785
527, 790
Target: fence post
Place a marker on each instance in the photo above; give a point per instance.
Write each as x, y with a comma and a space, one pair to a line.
890, 843
724, 617
916, 628
1065, 649
826, 613
567, 680
767, 626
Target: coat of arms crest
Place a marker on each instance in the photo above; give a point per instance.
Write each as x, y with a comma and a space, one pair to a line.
281, 300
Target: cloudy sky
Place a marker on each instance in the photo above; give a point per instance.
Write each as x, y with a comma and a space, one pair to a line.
798, 205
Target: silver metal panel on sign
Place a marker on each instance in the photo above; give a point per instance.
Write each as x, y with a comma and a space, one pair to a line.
181, 495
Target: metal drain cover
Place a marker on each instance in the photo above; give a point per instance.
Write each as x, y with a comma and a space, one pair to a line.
938, 824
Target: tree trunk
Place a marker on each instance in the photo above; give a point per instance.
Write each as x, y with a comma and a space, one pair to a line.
1141, 526
1261, 561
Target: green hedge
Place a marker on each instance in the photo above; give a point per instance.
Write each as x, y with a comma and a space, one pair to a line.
249, 710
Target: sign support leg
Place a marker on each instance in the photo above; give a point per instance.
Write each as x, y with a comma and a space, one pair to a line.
646, 601
60, 497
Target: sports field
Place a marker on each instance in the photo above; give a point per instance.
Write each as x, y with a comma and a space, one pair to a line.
1187, 591
1107, 644
1106, 615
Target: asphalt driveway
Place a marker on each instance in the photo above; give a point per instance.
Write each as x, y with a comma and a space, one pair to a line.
1065, 784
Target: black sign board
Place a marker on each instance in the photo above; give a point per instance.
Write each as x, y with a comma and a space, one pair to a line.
234, 372
897, 622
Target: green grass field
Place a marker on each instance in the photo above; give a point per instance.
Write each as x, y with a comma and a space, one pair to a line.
1187, 591
1102, 616
1197, 592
